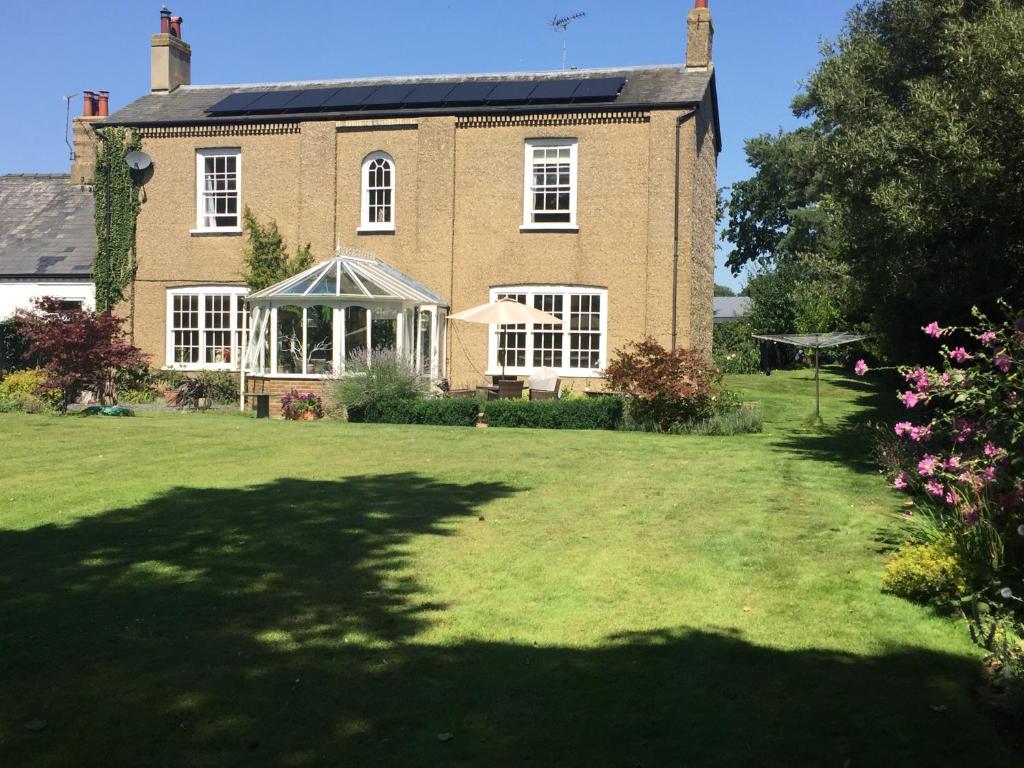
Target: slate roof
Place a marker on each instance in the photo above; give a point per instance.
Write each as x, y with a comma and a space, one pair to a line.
731, 307
46, 227
646, 87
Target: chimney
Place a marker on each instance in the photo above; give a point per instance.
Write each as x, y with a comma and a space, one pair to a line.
700, 36
94, 108
171, 57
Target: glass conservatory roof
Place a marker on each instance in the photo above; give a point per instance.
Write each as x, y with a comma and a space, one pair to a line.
351, 275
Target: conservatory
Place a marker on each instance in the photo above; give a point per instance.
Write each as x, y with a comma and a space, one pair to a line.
307, 326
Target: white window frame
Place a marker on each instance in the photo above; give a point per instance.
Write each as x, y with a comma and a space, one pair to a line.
201, 156
365, 225
237, 294
528, 209
567, 292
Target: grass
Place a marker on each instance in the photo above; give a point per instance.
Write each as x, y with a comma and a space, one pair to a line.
211, 590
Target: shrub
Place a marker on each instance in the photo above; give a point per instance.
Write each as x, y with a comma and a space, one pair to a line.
663, 387
23, 404
442, 411
29, 384
80, 349
385, 377
13, 346
734, 421
136, 396
295, 405
567, 413
927, 572
221, 386
735, 350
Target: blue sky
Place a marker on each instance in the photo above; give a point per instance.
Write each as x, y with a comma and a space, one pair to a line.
763, 49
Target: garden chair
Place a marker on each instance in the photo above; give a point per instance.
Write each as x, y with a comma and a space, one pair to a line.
544, 385
507, 390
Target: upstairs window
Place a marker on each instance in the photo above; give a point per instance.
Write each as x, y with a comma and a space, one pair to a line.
378, 206
550, 184
218, 181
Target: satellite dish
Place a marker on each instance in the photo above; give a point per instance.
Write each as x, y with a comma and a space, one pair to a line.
138, 161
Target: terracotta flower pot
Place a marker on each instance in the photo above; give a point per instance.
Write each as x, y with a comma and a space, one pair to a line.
307, 416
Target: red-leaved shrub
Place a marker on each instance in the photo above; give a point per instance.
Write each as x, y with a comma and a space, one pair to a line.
78, 348
664, 387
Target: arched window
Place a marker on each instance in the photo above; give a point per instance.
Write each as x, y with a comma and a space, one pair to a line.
378, 208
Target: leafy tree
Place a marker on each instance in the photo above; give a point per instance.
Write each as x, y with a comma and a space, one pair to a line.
80, 349
909, 169
266, 257
724, 290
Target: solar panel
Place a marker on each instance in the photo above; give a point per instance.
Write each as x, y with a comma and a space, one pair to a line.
349, 98
429, 93
236, 102
388, 96
554, 90
514, 91
469, 93
599, 88
311, 99
272, 101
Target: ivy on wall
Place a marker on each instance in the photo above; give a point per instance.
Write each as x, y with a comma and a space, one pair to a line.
114, 266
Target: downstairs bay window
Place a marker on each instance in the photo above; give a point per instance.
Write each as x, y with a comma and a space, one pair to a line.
577, 347
204, 327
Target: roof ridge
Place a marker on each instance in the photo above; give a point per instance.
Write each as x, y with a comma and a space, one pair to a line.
35, 175
435, 78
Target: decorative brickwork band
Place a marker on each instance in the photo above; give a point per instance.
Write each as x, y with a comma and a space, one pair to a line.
204, 131
571, 118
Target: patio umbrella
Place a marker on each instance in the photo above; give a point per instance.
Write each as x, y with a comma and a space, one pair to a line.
504, 312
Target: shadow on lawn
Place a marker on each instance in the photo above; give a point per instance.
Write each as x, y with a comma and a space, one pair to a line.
264, 626
848, 440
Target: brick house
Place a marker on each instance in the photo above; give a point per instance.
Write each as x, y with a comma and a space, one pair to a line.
589, 194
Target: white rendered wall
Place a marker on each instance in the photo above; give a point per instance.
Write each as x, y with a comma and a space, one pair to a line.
16, 294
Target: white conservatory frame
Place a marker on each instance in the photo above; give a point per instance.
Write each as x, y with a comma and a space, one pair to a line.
351, 279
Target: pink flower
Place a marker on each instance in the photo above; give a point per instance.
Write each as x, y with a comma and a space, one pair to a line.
971, 515
989, 473
950, 499
945, 378
992, 450
919, 378
953, 462
903, 428
934, 487
860, 368
900, 483
1003, 363
910, 399
926, 467
960, 355
917, 434
987, 337
933, 330
964, 430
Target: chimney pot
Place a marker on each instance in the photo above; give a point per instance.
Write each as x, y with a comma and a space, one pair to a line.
176, 26
165, 20
88, 105
700, 4
104, 104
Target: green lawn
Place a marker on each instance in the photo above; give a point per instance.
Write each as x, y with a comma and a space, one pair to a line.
211, 590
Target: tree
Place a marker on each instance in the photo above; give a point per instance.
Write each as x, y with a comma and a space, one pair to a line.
910, 167
79, 349
724, 290
266, 256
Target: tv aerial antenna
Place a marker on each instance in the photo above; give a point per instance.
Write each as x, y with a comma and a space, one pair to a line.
561, 24
67, 123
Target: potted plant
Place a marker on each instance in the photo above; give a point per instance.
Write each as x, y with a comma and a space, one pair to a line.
302, 406
193, 394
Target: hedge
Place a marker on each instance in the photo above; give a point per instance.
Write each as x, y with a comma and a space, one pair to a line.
571, 413
445, 412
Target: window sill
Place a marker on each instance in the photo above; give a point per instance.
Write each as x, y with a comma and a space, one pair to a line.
375, 231
217, 231
549, 228
572, 373
193, 367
